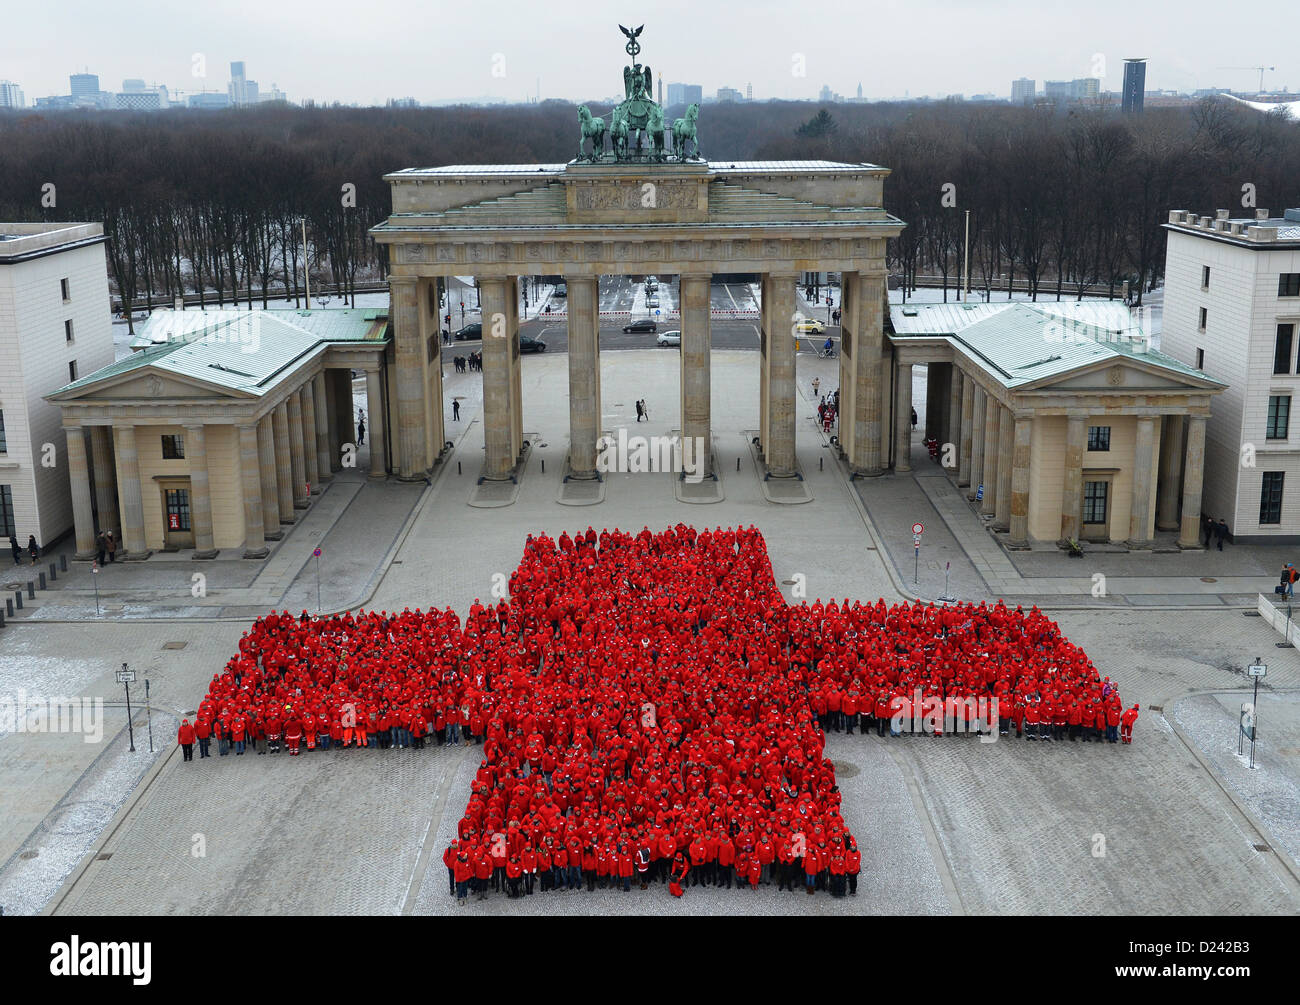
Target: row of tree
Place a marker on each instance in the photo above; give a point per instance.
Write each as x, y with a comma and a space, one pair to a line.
215, 203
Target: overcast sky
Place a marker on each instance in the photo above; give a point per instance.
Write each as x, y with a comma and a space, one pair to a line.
369, 52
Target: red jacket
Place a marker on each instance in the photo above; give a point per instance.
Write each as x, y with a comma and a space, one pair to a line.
185, 735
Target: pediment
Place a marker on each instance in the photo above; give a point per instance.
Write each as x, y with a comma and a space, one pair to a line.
1121, 375
153, 385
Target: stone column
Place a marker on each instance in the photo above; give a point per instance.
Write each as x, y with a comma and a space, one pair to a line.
297, 455
434, 412
270, 482
128, 488
779, 437
1171, 456
283, 465
978, 426
196, 453
250, 476
500, 350
410, 352
965, 444
83, 513
1139, 520
321, 399
861, 344
1006, 448
952, 433
308, 394
1020, 459
584, 374
696, 383
1076, 441
375, 409
903, 419
1193, 478
992, 442
101, 456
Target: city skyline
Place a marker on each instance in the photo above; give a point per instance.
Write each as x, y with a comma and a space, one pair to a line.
457, 56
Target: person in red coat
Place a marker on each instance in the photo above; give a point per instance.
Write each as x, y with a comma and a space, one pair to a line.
1126, 722
852, 864
463, 873
680, 870
202, 732
449, 860
185, 737
292, 733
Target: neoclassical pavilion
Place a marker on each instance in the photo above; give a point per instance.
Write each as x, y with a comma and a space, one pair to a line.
583, 220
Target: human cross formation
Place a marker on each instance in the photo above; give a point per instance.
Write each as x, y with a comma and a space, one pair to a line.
650, 708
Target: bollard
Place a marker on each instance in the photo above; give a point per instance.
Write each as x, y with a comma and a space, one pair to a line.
42, 575
2, 619
31, 590
18, 599
53, 574
9, 606
543, 465
737, 463
458, 467
821, 463
63, 562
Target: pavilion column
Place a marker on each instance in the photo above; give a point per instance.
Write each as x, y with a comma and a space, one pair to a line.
270, 485
1193, 478
283, 464
1076, 440
83, 513
584, 374
952, 432
101, 456
375, 407
128, 489
778, 438
1006, 450
965, 444
978, 426
501, 424
1171, 467
308, 394
250, 476
297, 455
196, 453
696, 384
409, 350
1139, 521
992, 444
903, 419
1021, 454
320, 398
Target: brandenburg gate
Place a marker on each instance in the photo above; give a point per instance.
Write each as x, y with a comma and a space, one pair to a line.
638, 208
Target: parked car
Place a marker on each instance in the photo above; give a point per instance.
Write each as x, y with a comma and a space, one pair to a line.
672, 338
651, 282
529, 344
470, 331
810, 326
652, 301
561, 292
644, 325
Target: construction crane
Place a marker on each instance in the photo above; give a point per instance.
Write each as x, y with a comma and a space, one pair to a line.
1261, 70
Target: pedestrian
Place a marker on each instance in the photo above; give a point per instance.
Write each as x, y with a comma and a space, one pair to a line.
1220, 532
817, 383
1127, 721
101, 548
1207, 527
110, 543
914, 418
645, 410
33, 548
638, 411
455, 410
18, 552
185, 737
361, 428
202, 733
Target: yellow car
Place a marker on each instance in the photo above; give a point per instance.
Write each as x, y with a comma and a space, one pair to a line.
810, 326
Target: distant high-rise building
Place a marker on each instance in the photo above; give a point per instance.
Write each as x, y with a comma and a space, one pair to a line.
826, 94
661, 90
1023, 91
274, 94
685, 94
242, 91
11, 95
1135, 85
729, 94
133, 86
1085, 88
84, 85
859, 90
1056, 90
749, 92
209, 99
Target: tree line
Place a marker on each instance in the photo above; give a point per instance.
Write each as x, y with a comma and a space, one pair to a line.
1064, 198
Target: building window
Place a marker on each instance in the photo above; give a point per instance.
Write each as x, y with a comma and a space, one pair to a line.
1270, 497
1095, 497
1282, 349
7, 526
178, 509
1200, 359
63, 285
1203, 319
1288, 284
4, 444
67, 330
72, 370
1279, 412
1099, 437
1205, 277
173, 448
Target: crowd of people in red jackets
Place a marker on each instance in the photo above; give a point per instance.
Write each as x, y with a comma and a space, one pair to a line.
649, 708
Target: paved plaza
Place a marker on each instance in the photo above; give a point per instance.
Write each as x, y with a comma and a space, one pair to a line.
1176, 823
